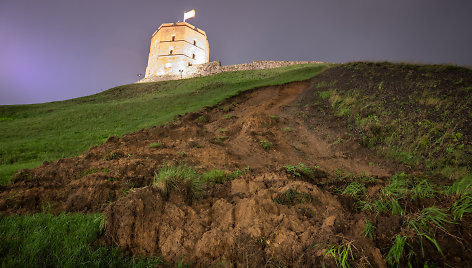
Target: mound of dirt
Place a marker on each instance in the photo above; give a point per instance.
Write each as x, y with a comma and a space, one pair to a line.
247, 227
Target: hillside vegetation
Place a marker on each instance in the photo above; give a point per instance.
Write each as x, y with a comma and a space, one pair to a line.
32, 134
358, 165
418, 114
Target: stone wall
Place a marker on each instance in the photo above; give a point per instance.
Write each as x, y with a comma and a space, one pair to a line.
215, 67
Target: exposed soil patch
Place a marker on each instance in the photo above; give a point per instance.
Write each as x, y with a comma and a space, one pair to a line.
229, 137
267, 217
246, 227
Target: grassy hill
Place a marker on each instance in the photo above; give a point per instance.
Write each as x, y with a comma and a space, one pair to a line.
359, 164
32, 134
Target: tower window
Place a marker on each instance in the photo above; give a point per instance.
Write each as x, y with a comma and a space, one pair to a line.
194, 42
170, 52
193, 56
173, 38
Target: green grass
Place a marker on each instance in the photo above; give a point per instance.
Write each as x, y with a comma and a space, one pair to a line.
422, 189
355, 189
186, 180
156, 145
275, 118
382, 205
461, 186
228, 116
399, 187
301, 169
396, 251
377, 206
396, 207
341, 254
218, 176
66, 240
267, 145
369, 229
424, 225
402, 186
32, 134
325, 94
462, 206
420, 225
182, 178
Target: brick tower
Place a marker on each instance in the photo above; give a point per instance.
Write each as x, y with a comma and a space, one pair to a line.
175, 47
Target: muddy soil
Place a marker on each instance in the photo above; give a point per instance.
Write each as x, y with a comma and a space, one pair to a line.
242, 221
227, 137
246, 227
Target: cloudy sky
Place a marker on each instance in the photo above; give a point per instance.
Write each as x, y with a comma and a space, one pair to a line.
59, 49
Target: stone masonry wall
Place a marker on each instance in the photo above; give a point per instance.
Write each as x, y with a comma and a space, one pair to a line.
215, 67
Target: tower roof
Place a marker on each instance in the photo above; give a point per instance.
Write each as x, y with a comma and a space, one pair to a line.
181, 24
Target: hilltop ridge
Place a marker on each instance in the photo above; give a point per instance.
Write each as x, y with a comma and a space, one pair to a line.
215, 67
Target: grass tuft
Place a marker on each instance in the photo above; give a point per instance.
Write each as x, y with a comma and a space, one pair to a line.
395, 253
228, 116
267, 145
425, 224
461, 186
398, 186
462, 206
156, 145
181, 178
369, 229
341, 254
301, 169
218, 176
355, 189
422, 189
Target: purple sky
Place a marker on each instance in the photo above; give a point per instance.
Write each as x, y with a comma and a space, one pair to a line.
60, 49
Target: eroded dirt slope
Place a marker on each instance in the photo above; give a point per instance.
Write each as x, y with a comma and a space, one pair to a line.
229, 137
248, 221
243, 226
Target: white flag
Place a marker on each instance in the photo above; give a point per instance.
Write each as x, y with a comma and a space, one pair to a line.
189, 14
